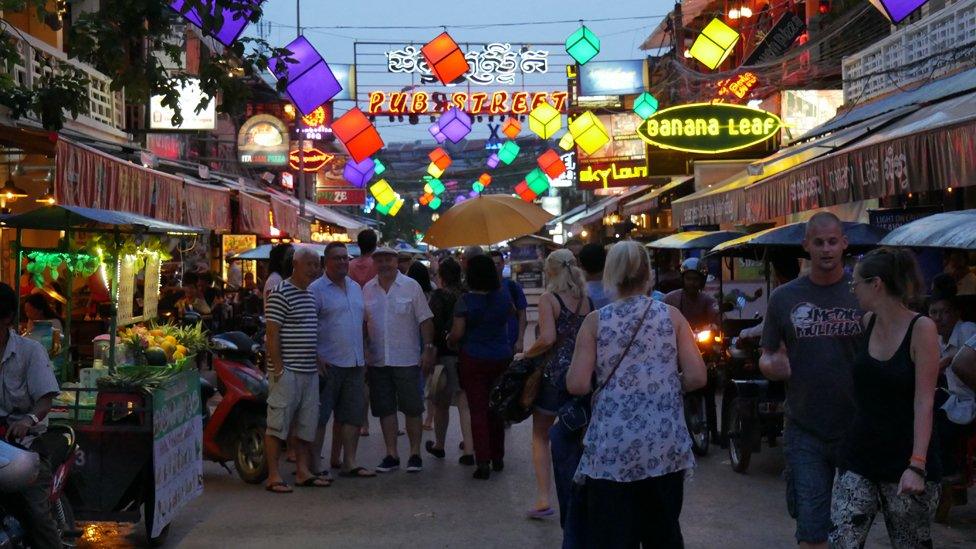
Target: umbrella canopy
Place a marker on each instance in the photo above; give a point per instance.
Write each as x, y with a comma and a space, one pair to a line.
860, 237
61, 218
694, 240
487, 219
945, 230
263, 252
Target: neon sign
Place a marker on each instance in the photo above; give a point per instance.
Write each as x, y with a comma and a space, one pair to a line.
738, 86
263, 140
709, 128
315, 159
496, 102
316, 125
496, 63
613, 175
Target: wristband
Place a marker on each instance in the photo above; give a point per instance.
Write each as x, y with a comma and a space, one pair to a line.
917, 470
920, 459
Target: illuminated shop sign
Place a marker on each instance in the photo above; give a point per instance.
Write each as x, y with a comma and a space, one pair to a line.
161, 117
623, 173
496, 102
736, 87
709, 128
603, 78
315, 159
315, 126
495, 63
263, 140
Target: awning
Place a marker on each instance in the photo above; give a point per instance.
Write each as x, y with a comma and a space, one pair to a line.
253, 215
694, 240
944, 230
60, 218
328, 215
609, 205
285, 216
650, 201
928, 150
207, 205
725, 202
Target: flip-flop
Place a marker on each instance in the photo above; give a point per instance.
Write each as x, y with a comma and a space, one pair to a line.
358, 472
314, 482
539, 514
327, 475
274, 488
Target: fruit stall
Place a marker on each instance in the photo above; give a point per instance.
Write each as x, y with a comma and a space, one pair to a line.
133, 401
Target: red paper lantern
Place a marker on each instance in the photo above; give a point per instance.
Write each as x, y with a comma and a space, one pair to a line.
551, 163
440, 158
357, 134
524, 192
445, 58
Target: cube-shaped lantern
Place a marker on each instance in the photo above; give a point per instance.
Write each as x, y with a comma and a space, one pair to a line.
897, 10
395, 208
445, 58
524, 192
440, 157
357, 134
435, 203
508, 152
551, 163
359, 173
384, 208
478, 187
589, 133
434, 170
714, 44
492, 160
645, 105
435, 131
434, 186
231, 27
310, 80
566, 142
425, 199
582, 45
382, 192
511, 128
545, 120
378, 167
455, 124
537, 181
484, 179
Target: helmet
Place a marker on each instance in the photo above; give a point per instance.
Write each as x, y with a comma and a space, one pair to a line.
18, 467
693, 264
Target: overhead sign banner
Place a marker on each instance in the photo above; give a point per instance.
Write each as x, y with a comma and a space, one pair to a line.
495, 63
622, 162
161, 117
709, 128
600, 78
778, 40
263, 141
495, 102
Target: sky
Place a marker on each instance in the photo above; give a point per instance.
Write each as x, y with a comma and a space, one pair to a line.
620, 39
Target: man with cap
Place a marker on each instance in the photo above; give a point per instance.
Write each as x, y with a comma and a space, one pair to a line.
699, 308
396, 313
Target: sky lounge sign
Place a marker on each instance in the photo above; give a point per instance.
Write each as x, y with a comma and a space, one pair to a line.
496, 63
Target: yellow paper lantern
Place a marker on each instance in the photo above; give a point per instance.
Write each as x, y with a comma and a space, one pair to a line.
714, 44
395, 209
589, 133
434, 171
566, 141
382, 192
545, 120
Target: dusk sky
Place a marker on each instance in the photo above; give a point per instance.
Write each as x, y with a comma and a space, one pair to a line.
620, 39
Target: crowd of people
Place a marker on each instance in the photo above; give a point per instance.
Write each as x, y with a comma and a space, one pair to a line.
867, 431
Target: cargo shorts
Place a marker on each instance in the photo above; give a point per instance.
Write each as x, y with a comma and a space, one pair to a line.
293, 405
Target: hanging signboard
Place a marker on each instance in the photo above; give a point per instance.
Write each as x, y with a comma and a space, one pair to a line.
315, 126
778, 40
331, 188
496, 102
709, 128
177, 452
568, 177
495, 63
735, 88
161, 117
263, 141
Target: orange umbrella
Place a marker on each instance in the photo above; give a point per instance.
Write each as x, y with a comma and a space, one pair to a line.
487, 219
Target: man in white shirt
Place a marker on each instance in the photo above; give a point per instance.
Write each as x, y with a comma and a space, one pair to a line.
397, 318
341, 358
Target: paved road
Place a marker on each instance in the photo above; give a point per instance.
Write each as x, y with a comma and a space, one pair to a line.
444, 507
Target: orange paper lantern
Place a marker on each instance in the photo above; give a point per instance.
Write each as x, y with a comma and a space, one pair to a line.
511, 128
445, 58
484, 179
357, 134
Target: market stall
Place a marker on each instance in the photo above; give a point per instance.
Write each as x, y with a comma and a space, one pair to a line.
135, 403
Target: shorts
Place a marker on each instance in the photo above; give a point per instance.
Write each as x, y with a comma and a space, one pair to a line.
810, 467
452, 384
395, 388
343, 393
293, 405
550, 398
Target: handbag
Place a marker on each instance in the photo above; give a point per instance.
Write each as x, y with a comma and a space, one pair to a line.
531, 388
505, 396
575, 413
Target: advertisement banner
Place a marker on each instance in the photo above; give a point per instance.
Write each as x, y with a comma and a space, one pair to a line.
331, 188
177, 447
263, 141
613, 77
161, 117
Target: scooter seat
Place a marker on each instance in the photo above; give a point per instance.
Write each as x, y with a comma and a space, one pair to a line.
57, 443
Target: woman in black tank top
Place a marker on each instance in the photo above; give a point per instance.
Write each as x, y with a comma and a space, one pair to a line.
889, 463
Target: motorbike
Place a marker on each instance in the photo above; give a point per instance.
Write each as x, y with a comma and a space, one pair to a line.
699, 405
234, 428
19, 468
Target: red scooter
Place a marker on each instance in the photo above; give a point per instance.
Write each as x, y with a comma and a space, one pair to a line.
233, 430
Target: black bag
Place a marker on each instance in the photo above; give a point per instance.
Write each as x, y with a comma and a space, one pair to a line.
503, 400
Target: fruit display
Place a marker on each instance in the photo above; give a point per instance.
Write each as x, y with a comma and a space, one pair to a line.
159, 345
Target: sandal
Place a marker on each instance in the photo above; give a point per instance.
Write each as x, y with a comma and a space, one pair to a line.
539, 514
278, 488
314, 482
358, 472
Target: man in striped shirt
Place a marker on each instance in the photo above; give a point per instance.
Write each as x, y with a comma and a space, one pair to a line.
293, 400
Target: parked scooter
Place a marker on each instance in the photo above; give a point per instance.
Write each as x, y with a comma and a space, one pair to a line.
18, 469
700, 405
234, 429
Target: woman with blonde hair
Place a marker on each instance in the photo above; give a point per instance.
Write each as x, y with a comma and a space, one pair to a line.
561, 311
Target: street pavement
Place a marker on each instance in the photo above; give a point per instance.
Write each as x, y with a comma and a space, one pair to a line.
444, 507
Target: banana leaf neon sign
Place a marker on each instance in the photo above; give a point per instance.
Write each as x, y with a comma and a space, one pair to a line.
709, 128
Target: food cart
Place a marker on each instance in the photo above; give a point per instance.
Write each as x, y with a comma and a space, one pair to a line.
138, 427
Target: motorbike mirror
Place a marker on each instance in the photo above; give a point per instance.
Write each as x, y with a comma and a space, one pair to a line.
192, 317
221, 344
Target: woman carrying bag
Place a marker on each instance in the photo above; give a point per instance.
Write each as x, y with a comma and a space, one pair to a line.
636, 447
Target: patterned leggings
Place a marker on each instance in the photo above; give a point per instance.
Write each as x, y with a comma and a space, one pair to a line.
856, 502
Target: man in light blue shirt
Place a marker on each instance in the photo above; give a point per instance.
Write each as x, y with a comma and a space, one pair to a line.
341, 359
592, 258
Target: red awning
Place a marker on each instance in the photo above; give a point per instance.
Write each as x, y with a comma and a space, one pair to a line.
253, 217
207, 206
285, 216
92, 179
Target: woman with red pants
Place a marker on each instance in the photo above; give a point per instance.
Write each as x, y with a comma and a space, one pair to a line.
480, 327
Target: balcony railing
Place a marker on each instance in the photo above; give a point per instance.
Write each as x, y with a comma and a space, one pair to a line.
106, 107
934, 46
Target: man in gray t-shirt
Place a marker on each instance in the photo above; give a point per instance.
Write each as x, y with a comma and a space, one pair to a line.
810, 338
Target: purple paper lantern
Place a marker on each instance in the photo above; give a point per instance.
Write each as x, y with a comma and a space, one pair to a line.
435, 131
474, 194
232, 25
359, 173
898, 10
492, 160
455, 124
460, 198
310, 80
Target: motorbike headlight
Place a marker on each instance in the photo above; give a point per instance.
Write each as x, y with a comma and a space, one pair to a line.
704, 336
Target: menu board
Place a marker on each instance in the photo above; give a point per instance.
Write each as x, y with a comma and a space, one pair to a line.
177, 447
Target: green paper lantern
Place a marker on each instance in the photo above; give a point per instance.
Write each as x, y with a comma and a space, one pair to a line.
582, 45
537, 181
508, 152
434, 186
435, 203
478, 187
645, 105
378, 167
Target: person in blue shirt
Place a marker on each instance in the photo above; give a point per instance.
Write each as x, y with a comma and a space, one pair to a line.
592, 257
517, 322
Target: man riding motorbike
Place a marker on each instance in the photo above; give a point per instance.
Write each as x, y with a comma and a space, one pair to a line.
29, 386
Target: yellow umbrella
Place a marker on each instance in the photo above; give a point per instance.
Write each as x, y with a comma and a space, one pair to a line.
486, 219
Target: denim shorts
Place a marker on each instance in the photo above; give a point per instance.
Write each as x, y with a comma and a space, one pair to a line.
810, 466
550, 398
